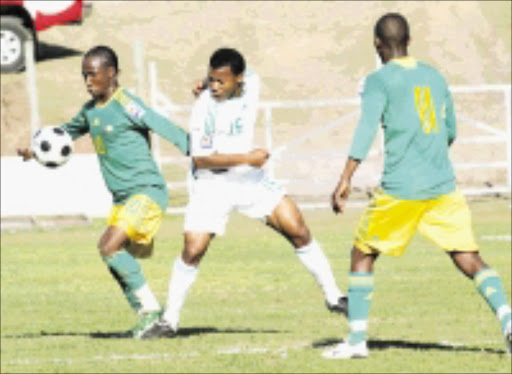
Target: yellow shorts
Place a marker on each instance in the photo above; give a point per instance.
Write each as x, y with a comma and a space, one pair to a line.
139, 217
388, 224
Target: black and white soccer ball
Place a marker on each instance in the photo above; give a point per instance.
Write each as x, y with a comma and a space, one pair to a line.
52, 146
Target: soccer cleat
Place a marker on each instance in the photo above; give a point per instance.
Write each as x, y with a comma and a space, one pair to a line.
146, 321
161, 329
345, 351
340, 307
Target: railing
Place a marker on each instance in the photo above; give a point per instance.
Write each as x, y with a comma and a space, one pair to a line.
491, 134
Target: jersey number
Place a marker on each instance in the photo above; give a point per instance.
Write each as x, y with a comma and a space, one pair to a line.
101, 149
426, 108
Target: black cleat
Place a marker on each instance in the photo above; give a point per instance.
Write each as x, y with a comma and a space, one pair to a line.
161, 329
340, 307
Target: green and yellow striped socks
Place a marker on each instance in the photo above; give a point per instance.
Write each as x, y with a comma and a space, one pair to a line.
128, 274
489, 284
360, 293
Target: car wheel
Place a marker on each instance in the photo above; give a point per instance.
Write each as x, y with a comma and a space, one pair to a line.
13, 36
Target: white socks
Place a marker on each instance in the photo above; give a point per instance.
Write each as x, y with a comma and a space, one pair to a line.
182, 278
147, 299
313, 258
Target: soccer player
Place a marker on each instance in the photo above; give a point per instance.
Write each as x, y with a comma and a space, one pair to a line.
228, 175
417, 189
119, 125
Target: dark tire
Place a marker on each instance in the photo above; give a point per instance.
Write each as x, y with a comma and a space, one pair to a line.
13, 36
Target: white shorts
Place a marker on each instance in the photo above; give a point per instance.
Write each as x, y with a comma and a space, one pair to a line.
212, 200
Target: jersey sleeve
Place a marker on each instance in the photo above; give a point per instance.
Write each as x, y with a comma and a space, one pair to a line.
78, 125
145, 117
201, 142
250, 110
373, 102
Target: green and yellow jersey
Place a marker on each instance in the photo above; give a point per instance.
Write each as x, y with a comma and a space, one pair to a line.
413, 102
120, 132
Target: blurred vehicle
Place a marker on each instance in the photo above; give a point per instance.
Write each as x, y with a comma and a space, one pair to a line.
24, 19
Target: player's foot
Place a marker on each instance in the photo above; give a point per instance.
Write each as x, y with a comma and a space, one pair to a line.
340, 307
146, 321
161, 329
345, 351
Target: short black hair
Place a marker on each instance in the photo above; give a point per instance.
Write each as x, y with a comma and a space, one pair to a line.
392, 29
107, 54
228, 57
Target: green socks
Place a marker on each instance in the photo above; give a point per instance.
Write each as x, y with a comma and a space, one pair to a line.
488, 283
127, 272
360, 293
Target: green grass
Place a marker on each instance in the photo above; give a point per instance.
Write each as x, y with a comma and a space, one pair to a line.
253, 308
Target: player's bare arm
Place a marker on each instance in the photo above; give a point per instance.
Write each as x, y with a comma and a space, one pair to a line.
26, 153
342, 191
199, 86
256, 158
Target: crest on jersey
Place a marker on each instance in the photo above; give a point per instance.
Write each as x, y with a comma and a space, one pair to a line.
207, 142
134, 110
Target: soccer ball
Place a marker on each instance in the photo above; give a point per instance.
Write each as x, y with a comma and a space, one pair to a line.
52, 146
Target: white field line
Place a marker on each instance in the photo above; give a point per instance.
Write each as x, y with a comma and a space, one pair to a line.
282, 352
503, 238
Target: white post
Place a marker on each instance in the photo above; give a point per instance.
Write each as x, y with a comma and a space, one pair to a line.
138, 59
35, 119
509, 136
268, 138
153, 100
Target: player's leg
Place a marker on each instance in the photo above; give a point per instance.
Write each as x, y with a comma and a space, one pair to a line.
136, 221
183, 275
386, 227
360, 294
489, 285
456, 237
206, 216
287, 219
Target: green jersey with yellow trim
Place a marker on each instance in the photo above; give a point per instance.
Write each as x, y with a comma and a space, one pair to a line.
413, 102
120, 133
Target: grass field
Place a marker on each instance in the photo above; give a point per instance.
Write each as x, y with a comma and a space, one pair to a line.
253, 308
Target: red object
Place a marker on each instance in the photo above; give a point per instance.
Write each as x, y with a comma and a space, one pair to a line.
41, 20
72, 13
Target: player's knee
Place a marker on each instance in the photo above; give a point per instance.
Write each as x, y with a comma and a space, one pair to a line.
299, 235
469, 263
106, 248
192, 256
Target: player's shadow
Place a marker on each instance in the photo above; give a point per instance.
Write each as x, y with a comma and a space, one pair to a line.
183, 332
48, 51
377, 344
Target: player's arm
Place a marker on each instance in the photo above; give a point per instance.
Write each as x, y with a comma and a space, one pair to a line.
168, 130
450, 119
145, 117
373, 102
340, 195
75, 128
256, 158
199, 86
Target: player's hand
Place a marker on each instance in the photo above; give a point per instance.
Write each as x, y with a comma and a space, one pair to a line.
26, 153
198, 87
257, 157
340, 196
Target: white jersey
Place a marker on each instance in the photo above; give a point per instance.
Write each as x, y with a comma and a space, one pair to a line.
226, 127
